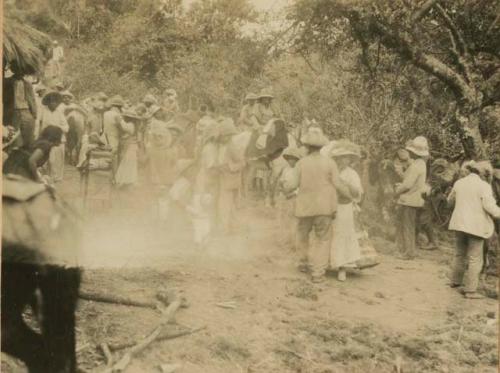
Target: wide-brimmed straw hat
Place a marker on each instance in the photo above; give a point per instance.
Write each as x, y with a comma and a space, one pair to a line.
314, 137
40, 87
251, 96
265, 93
116, 101
52, 96
226, 127
171, 92
132, 114
173, 126
292, 152
101, 96
418, 146
150, 99
345, 147
67, 94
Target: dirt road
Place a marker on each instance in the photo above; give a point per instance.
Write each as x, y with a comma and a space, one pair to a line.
400, 313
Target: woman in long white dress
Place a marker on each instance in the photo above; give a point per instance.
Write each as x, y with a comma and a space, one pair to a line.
127, 173
345, 249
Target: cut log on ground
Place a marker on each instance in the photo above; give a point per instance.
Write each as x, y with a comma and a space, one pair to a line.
167, 316
162, 337
115, 299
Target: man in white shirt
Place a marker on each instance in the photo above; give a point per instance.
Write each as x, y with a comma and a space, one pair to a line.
472, 221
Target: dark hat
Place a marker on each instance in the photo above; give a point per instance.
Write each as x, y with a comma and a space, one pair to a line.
52, 96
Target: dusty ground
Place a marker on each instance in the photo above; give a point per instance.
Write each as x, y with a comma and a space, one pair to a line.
399, 313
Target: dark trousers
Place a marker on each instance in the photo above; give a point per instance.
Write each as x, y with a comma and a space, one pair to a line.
406, 233
24, 121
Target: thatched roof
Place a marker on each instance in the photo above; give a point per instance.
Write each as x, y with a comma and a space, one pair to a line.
24, 47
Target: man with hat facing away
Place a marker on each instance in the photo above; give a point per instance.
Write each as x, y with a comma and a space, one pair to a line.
96, 113
316, 202
409, 193
472, 220
112, 122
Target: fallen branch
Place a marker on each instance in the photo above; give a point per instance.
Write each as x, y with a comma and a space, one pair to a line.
168, 315
161, 337
114, 299
107, 353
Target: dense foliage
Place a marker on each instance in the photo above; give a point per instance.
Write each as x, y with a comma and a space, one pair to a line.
378, 72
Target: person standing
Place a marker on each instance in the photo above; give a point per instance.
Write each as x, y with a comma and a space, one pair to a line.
229, 167
410, 201
96, 113
20, 91
345, 249
170, 104
112, 122
53, 115
150, 102
316, 203
264, 110
472, 222
245, 119
287, 189
127, 172
40, 91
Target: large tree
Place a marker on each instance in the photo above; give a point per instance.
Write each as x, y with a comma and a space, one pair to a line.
456, 42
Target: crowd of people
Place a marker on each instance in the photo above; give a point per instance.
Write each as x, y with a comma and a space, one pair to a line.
313, 182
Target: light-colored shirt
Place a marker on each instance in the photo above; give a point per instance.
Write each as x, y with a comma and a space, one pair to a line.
112, 121
413, 184
474, 207
318, 177
351, 178
289, 180
58, 53
54, 118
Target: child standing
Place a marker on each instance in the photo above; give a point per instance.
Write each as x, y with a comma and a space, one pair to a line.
287, 189
345, 249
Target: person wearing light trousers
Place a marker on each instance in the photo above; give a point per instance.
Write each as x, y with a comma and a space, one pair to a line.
316, 202
472, 220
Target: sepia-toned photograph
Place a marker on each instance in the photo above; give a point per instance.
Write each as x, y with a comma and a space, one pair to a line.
250, 186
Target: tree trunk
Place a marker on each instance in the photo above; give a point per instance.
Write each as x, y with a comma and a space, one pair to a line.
470, 135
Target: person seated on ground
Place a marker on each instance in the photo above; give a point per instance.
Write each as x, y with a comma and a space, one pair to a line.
472, 220
27, 162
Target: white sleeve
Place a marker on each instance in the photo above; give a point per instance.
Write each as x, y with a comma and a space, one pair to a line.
489, 203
